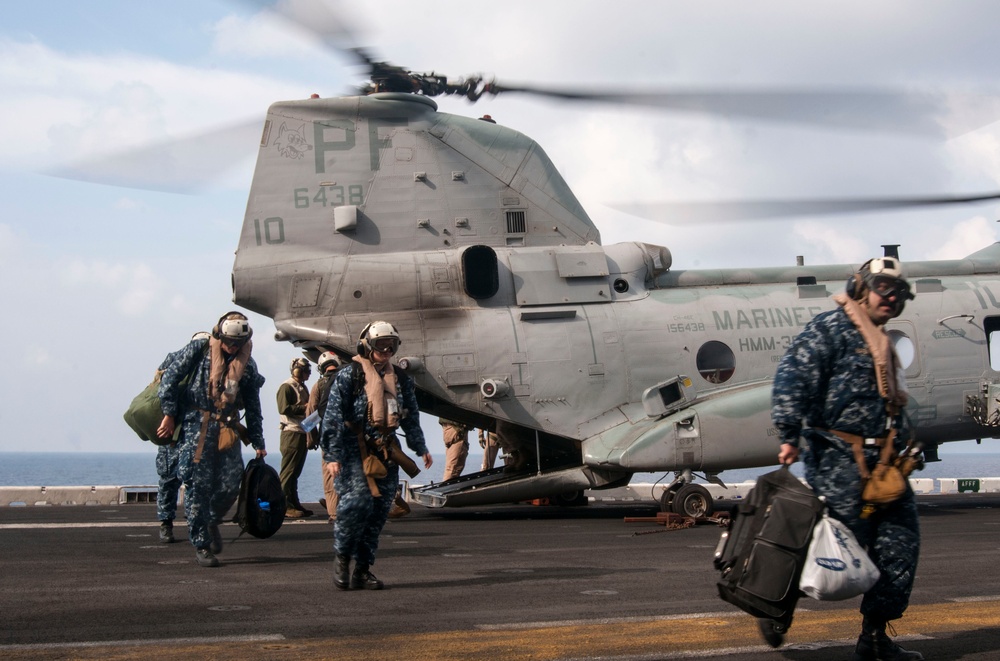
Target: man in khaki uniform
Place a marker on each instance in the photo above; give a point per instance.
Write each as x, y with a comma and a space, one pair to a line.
456, 443
293, 397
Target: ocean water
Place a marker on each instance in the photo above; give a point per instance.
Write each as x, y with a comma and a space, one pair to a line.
18, 469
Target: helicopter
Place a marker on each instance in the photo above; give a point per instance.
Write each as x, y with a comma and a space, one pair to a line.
463, 234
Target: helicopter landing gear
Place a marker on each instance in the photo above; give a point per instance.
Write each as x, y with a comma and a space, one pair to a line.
687, 499
693, 500
570, 499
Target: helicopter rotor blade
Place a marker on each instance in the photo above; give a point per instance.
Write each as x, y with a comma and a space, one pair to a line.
318, 19
186, 165
924, 113
690, 213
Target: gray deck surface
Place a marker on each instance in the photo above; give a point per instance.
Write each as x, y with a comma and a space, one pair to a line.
502, 582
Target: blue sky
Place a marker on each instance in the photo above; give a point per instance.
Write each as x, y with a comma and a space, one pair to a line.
98, 283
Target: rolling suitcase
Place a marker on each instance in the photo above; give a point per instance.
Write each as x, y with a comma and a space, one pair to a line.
762, 553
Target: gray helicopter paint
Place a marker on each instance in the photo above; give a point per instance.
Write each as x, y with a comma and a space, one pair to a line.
576, 331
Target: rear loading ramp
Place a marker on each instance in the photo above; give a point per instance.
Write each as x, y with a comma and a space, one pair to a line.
495, 487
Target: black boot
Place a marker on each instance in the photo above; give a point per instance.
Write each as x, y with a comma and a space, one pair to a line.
341, 572
215, 538
362, 579
167, 532
875, 645
772, 632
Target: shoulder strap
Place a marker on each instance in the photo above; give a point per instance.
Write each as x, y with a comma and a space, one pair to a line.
357, 378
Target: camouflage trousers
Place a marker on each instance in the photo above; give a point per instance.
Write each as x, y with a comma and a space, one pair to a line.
360, 517
211, 485
891, 533
167, 457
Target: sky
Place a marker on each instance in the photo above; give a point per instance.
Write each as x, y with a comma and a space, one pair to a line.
98, 283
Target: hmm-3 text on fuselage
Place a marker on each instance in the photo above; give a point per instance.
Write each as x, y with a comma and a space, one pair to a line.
462, 234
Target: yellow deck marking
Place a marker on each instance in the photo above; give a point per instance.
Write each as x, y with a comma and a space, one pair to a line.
593, 639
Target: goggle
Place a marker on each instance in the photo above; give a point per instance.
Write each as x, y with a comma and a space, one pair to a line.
384, 346
229, 342
887, 287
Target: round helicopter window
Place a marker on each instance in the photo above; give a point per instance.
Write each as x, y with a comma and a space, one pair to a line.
716, 362
905, 348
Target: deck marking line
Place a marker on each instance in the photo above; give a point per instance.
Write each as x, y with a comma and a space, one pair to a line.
264, 638
514, 626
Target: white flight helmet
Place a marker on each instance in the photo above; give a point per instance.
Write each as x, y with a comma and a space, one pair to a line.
328, 358
234, 327
377, 330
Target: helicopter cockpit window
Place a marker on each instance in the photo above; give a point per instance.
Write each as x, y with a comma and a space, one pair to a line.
479, 267
716, 362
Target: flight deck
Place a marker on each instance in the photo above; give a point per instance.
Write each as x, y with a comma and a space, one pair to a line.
499, 582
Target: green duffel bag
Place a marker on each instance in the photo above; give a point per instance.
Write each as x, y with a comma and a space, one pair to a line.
144, 415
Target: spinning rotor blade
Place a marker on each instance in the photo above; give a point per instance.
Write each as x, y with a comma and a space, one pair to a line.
318, 19
185, 165
907, 112
689, 213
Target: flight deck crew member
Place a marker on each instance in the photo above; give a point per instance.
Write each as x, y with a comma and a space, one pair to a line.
167, 457
224, 378
328, 364
368, 396
839, 383
490, 444
293, 399
456, 444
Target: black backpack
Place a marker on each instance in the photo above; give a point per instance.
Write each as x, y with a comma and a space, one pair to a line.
260, 510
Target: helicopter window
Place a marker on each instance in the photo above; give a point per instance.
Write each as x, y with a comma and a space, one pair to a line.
716, 362
515, 222
905, 348
992, 327
479, 266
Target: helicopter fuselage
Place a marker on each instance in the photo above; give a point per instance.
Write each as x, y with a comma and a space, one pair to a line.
463, 235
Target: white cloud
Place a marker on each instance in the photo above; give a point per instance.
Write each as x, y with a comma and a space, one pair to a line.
84, 104
829, 244
36, 356
966, 238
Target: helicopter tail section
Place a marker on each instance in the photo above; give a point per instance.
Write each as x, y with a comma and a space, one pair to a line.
387, 173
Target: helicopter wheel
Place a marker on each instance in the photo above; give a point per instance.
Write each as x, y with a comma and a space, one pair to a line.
692, 500
667, 499
570, 499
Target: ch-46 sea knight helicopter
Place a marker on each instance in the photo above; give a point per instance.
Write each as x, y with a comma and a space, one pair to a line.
462, 234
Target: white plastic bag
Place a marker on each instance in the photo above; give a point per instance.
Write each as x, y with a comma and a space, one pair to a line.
836, 566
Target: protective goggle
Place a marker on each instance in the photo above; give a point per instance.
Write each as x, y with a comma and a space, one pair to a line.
887, 287
387, 345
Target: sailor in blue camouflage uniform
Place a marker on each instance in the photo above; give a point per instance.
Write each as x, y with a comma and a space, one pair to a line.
841, 378
223, 379
167, 457
370, 394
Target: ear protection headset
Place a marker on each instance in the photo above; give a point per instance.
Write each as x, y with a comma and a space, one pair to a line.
299, 366
856, 287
